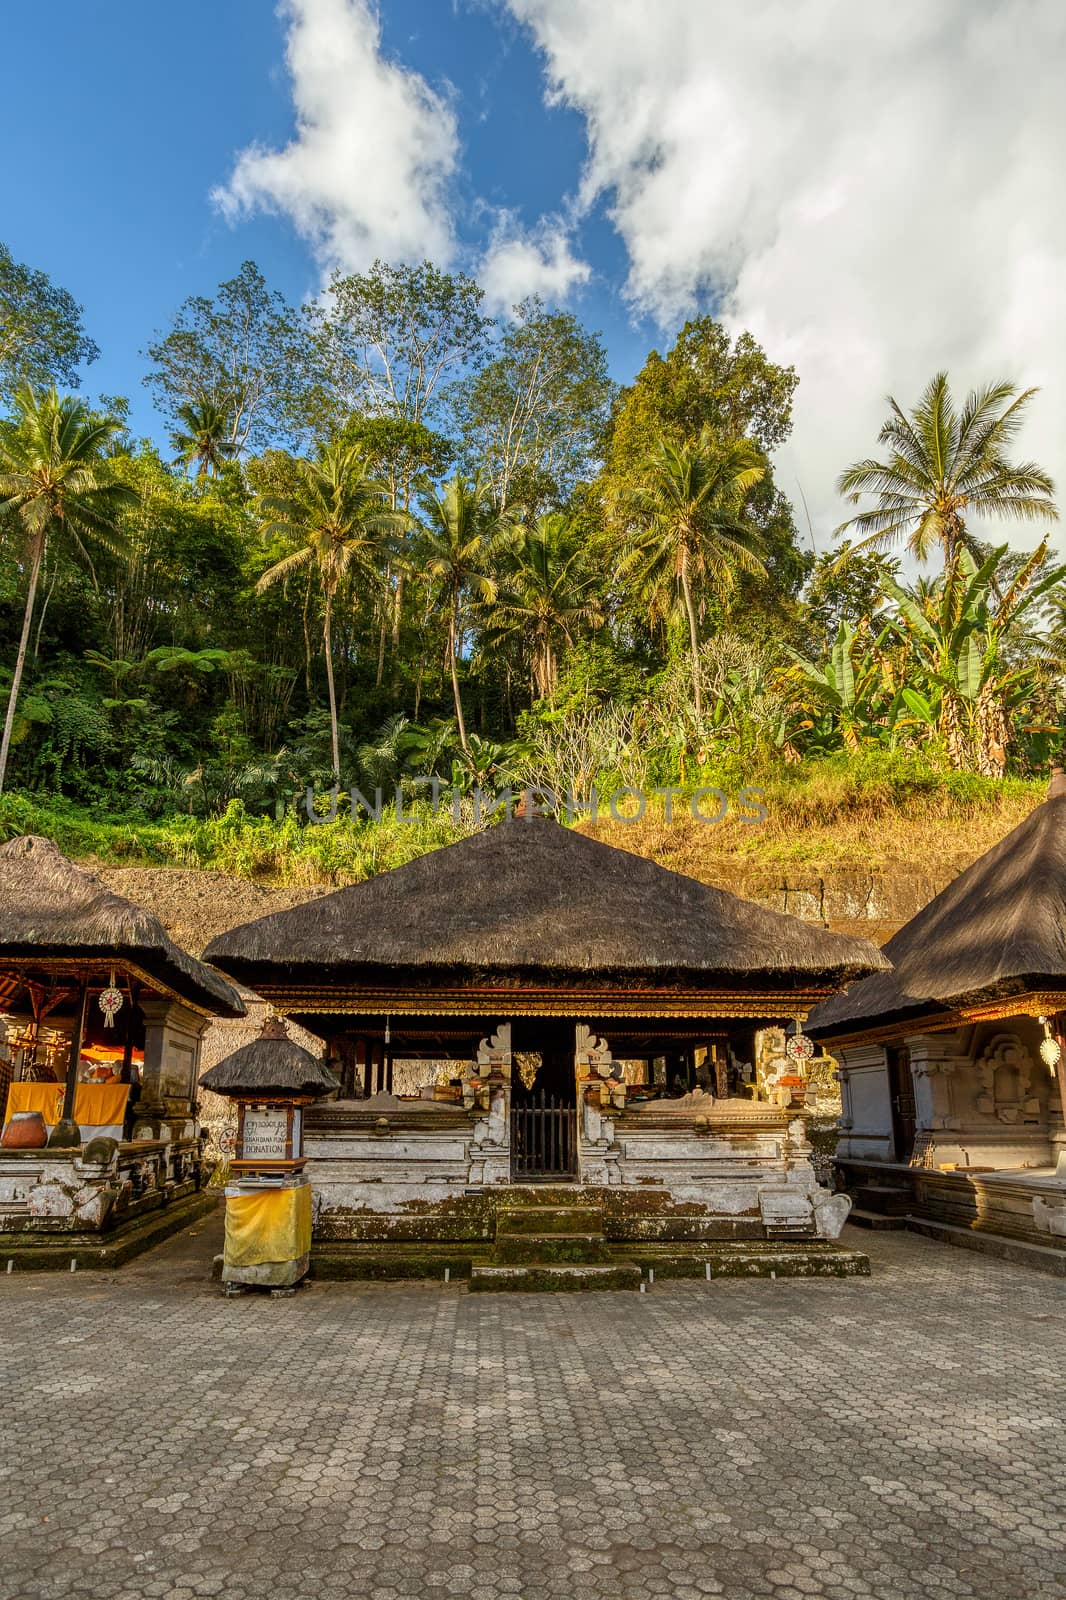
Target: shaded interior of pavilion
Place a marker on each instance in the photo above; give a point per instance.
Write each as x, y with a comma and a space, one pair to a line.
424, 1057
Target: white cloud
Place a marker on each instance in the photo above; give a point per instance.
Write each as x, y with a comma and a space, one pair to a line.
375, 150
874, 190
520, 262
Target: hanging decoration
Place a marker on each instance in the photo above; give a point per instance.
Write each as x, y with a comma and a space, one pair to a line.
1050, 1048
529, 1063
111, 1002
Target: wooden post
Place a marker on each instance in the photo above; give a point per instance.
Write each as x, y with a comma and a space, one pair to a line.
127, 1047
1058, 1028
76, 1037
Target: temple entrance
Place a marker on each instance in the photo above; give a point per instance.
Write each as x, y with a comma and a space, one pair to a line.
901, 1094
543, 1102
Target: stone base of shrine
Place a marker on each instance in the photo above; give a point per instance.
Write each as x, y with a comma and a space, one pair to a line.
1018, 1215
57, 1205
29, 1250
456, 1262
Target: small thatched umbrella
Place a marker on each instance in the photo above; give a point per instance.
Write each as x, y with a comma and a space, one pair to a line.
271, 1065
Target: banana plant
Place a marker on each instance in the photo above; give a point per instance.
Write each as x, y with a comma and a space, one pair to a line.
849, 689
956, 633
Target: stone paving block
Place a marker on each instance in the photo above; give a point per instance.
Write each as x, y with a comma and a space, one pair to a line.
886, 1438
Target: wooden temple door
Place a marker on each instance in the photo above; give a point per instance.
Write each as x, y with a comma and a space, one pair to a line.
901, 1097
543, 1104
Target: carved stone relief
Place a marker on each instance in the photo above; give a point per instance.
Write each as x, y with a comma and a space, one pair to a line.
1004, 1079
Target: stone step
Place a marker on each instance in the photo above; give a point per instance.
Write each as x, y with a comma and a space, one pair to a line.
547, 1248
879, 1220
532, 1278
548, 1219
887, 1198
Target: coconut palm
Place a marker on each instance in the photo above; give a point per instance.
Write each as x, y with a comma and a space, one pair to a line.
944, 464
546, 593
339, 513
204, 437
56, 486
685, 527
461, 533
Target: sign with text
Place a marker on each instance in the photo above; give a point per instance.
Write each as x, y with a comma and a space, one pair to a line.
266, 1134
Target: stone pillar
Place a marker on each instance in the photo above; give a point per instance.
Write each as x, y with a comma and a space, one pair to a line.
172, 1035
866, 1110
488, 1090
935, 1061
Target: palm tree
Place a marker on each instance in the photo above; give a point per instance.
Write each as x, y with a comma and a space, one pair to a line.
547, 593
686, 517
944, 463
55, 485
203, 440
339, 513
461, 531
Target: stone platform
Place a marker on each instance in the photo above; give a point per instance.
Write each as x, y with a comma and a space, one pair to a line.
546, 1238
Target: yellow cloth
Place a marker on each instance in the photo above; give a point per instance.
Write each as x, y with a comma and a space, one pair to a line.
96, 1105
47, 1098
274, 1225
99, 1105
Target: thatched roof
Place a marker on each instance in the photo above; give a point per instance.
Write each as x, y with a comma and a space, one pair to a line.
530, 896
52, 910
998, 929
271, 1064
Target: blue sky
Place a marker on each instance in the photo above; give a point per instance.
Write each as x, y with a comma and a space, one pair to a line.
161, 105
875, 192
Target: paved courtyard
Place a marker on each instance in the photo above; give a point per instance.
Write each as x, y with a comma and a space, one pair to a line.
897, 1436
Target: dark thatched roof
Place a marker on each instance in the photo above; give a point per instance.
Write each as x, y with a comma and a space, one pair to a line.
52, 910
999, 929
271, 1064
530, 896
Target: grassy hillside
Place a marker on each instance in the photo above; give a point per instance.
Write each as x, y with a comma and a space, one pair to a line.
859, 844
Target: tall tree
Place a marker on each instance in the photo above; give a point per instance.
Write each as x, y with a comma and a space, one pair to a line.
705, 381
244, 351
685, 527
533, 416
547, 592
57, 486
387, 340
42, 340
339, 513
461, 532
730, 390
944, 463
202, 437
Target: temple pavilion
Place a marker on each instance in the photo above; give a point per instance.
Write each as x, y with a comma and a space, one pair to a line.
951, 1063
533, 1017
101, 1017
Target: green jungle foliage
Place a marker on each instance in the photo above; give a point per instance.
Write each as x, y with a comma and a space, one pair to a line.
398, 540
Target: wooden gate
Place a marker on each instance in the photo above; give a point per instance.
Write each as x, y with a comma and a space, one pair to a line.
901, 1094
543, 1138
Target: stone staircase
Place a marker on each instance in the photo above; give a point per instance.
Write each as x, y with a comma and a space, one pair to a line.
547, 1241
881, 1206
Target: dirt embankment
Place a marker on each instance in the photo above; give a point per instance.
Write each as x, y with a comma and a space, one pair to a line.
195, 907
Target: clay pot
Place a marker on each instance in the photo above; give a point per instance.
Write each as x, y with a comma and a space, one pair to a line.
25, 1130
